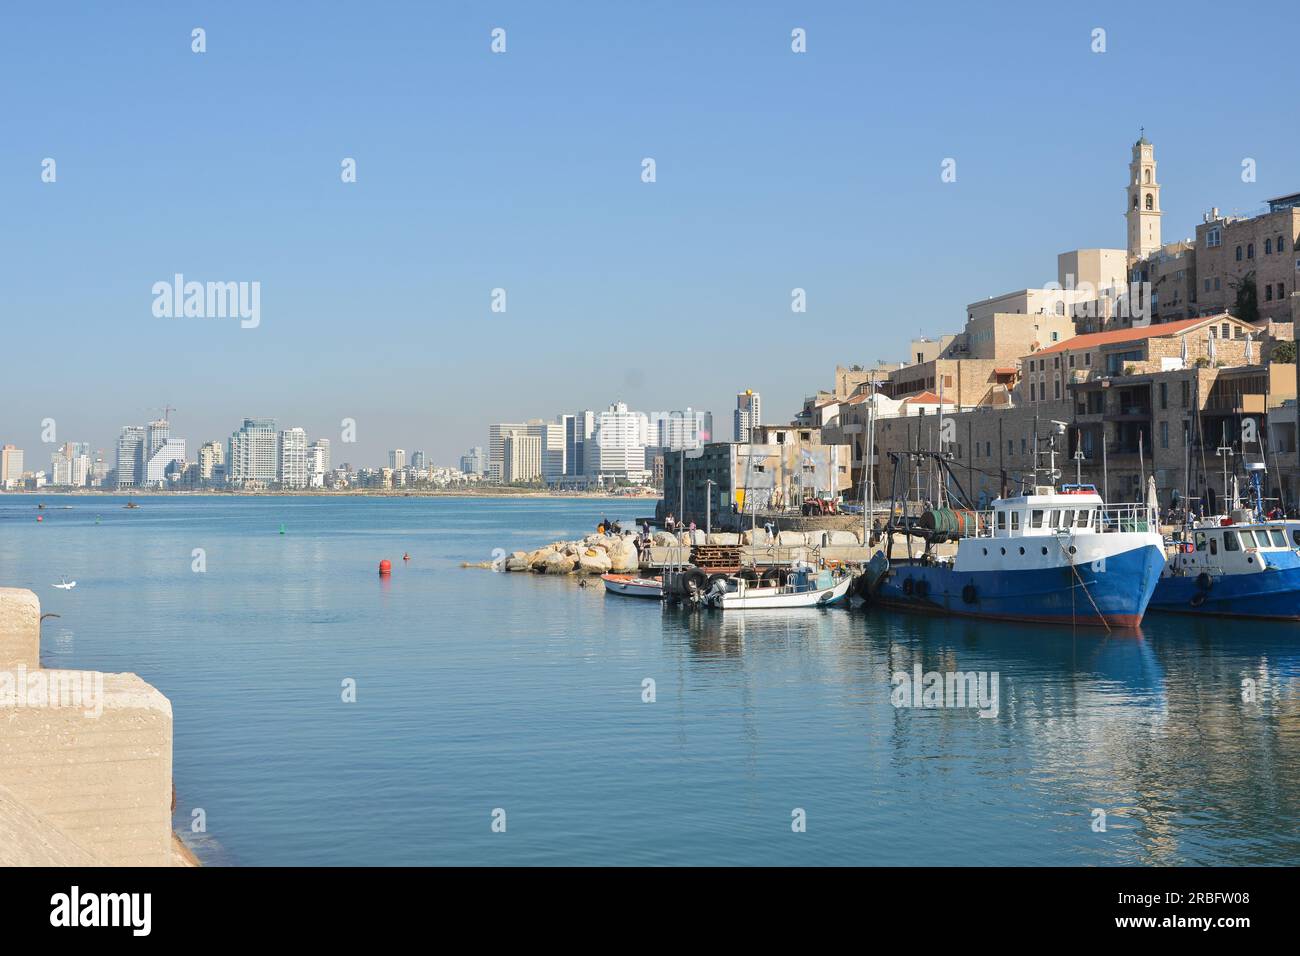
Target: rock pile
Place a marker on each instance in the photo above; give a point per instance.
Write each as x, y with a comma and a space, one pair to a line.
594, 554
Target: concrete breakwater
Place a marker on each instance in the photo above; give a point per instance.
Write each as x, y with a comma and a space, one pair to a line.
85, 758
628, 553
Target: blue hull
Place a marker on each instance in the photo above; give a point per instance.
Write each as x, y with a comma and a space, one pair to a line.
1273, 594
1116, 597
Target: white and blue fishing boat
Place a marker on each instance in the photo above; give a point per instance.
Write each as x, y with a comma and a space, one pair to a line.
1238, 565
1054, 556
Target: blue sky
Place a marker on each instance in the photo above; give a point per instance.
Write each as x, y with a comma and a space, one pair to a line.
522, 171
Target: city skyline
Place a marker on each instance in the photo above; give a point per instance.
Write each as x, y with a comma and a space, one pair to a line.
390, 279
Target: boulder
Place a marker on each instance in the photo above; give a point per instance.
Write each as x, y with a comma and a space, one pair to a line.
663, 539
594, 562
794, 539
724, 539
537, 559
518, 561
623, 557
559, 563
846, 538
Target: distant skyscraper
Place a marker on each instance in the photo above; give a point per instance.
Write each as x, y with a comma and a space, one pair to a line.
748, 414
472, 462
318, 462
521, 456
253, 452
419, 460
577, 429
130, 456
293, 458
397, 459
212, 461
552, 437
159, 453
616, 449
496, 436
11, 466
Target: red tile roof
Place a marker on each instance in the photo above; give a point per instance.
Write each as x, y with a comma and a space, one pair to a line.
1098, 339
928, 398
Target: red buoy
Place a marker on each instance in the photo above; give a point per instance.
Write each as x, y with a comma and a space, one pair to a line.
385, 567
40, 517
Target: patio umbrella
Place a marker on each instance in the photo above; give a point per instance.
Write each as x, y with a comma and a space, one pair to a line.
1210, 349
1153, 502
1184, 338
1250, 348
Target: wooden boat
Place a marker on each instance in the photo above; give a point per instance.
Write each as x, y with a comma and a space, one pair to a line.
629, 585
805, 587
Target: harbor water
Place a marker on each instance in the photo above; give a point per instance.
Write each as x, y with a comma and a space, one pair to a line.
614, 731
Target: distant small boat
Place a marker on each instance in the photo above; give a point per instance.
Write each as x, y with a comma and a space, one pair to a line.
131, 504
65, 585
629, 586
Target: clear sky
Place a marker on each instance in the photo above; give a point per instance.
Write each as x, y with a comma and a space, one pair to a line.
522, 171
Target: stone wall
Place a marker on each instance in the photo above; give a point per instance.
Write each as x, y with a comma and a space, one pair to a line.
85, 757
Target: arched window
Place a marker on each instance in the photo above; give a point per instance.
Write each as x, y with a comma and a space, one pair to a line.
1151, 202
1239, 253
1268, 247
1250, 250
1280, 247
1135, 202
1146, 176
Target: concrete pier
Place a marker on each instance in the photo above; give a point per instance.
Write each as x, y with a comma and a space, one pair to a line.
85, 758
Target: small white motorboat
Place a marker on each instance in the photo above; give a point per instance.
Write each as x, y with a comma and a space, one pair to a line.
629, 586
66, 585
805, 587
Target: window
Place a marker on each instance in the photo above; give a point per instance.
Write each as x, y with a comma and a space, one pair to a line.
1207, 285
1002, 520
1239, 253
1071, 360
1035, 516
1087, 358
1057, 383
1230, 541
1053, 516
1015, 521
1214, 545
1056, 361
1084, 519
1268, 247
1011, 449
1279, 539
988, 449
1213, 237
1187, 392
1164, 434
1217, 287
1151, 202
1250, 250
1200, 541
1225, 330
1164, 395
1281, 290
1023, 443
1268, 292
1067, 518
1280, 246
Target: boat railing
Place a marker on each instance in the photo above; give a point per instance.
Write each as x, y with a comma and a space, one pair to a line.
1135, 517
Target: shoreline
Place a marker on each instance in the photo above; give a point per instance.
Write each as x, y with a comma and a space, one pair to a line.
316, 493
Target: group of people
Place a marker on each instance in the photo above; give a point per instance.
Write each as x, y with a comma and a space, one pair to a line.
607, 527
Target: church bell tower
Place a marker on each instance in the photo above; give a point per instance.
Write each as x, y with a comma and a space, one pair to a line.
1143, 202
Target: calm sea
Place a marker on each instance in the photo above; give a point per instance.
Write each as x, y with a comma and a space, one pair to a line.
477, 691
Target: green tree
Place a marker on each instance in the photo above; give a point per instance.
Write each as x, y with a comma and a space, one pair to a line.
1247, 305
1283, 353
